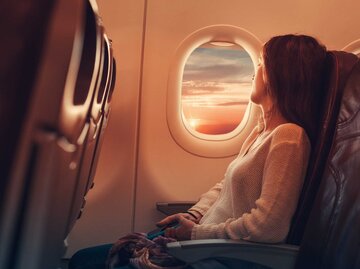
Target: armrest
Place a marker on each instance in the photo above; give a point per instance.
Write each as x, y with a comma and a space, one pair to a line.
169, 208
278, 256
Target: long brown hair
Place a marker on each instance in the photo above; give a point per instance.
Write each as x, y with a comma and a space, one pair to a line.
294, 66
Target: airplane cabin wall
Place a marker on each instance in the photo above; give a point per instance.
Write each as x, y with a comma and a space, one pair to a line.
140, 162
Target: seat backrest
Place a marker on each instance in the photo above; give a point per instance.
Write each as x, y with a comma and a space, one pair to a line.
337, 71
104, 123
46, 131
332, 233
18, 70
97, 119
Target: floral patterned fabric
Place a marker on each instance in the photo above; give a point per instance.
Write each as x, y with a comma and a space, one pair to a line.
136, 249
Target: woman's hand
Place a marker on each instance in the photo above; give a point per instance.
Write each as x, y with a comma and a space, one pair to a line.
171, 218
183, 230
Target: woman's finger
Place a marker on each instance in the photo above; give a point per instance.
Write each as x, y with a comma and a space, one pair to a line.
181, 219
167, 220
170, 232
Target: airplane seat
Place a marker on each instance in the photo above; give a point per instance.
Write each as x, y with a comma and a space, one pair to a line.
332, 235
96, 121
106, 115
108, 86
338, 68
50, 68
328, 234
15, 62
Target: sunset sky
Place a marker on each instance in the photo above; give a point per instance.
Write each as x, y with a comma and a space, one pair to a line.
216, 88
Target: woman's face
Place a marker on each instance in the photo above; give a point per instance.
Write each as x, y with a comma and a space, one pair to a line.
258, 93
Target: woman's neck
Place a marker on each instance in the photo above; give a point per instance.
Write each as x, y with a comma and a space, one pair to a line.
272, 118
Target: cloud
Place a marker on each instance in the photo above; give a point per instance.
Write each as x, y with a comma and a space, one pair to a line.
190, 88
239, 103
218, 72
216, 100
217, 78
201, 88
222, 65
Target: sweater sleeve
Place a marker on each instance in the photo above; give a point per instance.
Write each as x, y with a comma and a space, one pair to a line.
207, 199
269, 220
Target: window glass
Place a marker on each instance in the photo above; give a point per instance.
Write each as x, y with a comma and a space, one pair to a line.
216, 87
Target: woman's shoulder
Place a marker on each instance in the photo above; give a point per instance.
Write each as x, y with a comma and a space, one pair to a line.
289, 133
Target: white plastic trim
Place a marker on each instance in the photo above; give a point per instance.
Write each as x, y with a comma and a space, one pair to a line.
353, 47
214, 146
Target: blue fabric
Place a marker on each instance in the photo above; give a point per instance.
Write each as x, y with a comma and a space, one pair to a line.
92, 258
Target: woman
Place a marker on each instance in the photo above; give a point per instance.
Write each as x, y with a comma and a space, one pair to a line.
259, 193
258, 196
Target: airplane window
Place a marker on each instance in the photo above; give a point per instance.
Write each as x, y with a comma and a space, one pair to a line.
216, 87
208, 111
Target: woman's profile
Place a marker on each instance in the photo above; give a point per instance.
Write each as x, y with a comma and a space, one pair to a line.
258, 195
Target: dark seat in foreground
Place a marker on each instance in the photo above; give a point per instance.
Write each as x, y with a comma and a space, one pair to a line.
57, 76
330, 237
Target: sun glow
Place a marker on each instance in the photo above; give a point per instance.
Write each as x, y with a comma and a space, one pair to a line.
194, 123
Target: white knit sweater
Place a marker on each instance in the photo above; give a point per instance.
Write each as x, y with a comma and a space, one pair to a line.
259, 193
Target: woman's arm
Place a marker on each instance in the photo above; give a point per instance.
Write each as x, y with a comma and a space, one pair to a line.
206, 201
269, 220
195, 213
209, 198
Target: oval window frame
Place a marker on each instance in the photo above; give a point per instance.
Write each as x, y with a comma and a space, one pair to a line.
214, 146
